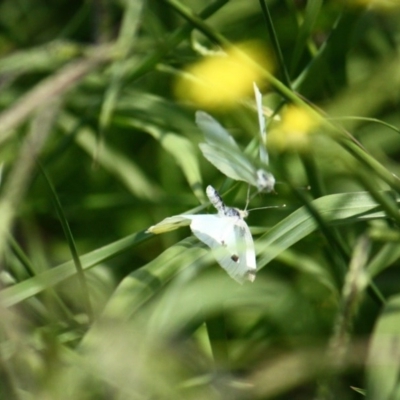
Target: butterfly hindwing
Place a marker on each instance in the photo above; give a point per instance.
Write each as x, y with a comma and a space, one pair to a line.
228, 238
245, 246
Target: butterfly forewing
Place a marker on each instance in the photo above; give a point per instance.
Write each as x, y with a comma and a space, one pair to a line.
234, 165
214, 132
222, 151
263, 128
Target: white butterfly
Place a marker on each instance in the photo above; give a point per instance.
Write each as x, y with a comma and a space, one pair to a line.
223, 152
229, 237
226, 233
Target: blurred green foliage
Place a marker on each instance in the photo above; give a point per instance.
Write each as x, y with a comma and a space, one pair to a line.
95, 148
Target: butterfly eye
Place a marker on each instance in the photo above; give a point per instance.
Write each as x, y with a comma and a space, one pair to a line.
235, 258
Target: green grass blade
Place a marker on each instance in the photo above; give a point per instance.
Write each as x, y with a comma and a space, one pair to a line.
42, 58
124, 46
275, 43
30, 287
342, 208
17, 183
71, 243
311, 13
383, 366
384, 258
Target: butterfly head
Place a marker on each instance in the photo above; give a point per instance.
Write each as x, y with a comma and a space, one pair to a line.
265, 181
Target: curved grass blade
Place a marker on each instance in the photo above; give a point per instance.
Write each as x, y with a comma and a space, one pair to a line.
16, 185
275, 42
388, 254
124, 44
71, 244
310, 17
335, 209
48, 279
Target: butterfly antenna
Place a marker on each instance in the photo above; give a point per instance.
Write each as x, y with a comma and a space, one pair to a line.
263, 208
308, 187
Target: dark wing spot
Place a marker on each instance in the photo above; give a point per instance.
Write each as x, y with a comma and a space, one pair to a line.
235, 258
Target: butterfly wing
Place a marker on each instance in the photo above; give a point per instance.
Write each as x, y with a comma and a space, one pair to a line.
214, 132
265, 180
245, 248
233, 165
170, 224
228, 239
222, 151
263, 129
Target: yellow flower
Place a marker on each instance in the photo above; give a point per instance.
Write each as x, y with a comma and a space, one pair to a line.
219, 81
293, 132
